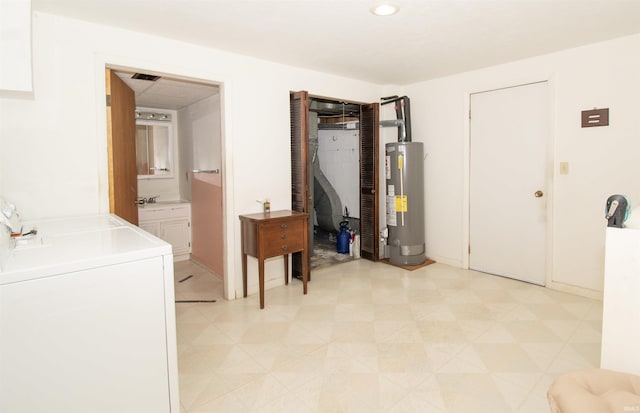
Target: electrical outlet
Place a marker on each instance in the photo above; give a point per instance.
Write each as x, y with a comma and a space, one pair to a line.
564, 168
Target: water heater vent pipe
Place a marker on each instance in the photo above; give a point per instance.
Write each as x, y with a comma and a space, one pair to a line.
403, 115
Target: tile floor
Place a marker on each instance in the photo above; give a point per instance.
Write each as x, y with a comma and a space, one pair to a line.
370, 337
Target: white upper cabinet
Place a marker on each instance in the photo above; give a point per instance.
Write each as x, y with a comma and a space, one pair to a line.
15, 46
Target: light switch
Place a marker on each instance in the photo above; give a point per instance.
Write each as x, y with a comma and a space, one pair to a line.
564, 168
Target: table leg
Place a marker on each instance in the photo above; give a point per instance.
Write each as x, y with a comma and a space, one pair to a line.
244, 273
286, 269
305, 269
261, 280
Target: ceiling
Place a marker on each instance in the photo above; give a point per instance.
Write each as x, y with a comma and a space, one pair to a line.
424, 40
166, 93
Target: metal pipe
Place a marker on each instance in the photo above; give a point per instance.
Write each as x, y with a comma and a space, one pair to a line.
206, 171
403, 113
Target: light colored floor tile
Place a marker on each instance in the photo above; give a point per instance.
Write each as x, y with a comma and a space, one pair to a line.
589, 351
224, 404
477, 392
551, 311
359, 331
423, 397
505, 358
466, 362
203, 359
563, 329
370, 337
535, 404
496, 333
595, 312
396, 332
394, 312
513, 392
354, 312
430, 311
530, 331
569, 360
261, 392
589, 331
510, 311
471, 311
543, 353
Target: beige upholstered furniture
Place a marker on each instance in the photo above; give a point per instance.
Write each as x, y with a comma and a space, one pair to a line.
595, 390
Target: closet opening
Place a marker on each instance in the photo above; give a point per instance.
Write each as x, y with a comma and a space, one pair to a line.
334, 133
334, 176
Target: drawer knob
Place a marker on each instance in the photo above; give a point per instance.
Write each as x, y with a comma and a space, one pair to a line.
284, 247
283, 226
283, 236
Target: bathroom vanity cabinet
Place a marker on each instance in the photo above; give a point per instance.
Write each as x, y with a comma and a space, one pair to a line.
171, 222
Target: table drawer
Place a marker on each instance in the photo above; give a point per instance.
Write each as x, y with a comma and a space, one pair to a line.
283, 237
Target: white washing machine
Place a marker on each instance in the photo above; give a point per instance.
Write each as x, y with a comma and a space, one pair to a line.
87, 319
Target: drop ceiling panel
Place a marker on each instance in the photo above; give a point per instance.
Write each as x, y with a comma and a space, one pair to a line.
167, 93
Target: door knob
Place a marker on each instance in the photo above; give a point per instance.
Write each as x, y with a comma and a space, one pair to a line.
538, 193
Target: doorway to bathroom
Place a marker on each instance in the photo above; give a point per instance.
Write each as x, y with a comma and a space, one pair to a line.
177, 188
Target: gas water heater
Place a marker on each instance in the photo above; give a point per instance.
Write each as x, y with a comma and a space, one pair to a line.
404, 173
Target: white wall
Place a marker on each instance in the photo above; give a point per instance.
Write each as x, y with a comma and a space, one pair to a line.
200, 139
602, 160
53, 159
205, 116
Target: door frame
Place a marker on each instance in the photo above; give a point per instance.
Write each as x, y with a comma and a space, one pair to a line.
197, 74
376, 253
549, 169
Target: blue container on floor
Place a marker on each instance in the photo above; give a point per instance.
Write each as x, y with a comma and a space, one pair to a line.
343, 238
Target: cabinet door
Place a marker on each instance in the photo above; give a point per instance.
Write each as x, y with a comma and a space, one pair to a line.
152, 228
177, 234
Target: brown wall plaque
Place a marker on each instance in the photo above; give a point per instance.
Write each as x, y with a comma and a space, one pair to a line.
595, 117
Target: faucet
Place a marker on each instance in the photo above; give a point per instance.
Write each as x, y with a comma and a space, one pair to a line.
142, 200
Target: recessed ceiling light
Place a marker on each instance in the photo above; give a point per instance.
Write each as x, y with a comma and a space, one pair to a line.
384, 9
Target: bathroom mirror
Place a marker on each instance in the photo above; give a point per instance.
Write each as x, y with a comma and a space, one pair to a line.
154, 149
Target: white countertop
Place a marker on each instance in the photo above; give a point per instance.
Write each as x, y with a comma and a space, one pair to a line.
164, 204
72, 244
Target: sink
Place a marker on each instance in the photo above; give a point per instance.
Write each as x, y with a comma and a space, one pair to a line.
160, 204
28, 242
180, 201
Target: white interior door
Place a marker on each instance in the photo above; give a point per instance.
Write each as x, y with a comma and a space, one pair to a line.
509, 131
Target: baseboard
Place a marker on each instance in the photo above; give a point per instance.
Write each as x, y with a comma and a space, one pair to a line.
181, 257
575, 290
